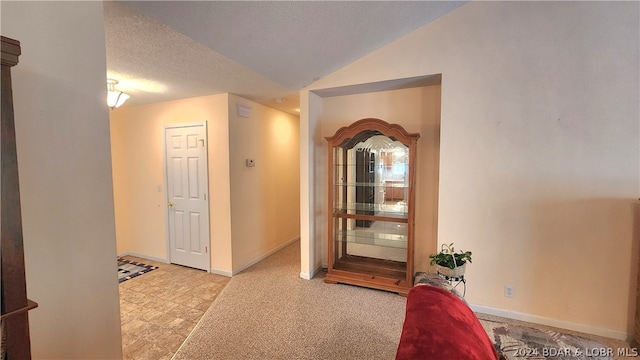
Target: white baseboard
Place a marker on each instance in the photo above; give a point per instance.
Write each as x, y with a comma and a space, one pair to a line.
309, 276
620, 335
222, 272
143, 256
262, 257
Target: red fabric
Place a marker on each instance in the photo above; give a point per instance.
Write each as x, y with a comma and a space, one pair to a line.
439, 325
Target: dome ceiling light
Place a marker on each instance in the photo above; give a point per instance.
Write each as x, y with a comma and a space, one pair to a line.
115, 98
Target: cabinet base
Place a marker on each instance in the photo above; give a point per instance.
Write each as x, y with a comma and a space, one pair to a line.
372, 282
363, 265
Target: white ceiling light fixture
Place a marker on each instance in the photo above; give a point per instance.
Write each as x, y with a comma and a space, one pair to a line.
115, 98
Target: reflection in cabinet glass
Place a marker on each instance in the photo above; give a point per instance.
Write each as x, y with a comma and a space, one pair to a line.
371, 201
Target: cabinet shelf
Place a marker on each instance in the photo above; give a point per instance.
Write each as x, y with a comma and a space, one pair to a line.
379, 210
376, 238
389, 184
390, 169
30, 306
391, 192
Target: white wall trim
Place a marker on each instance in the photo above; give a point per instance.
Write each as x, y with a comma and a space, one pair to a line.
143, 256
262, 257
306, 276
222, 272
309, 276
620, 335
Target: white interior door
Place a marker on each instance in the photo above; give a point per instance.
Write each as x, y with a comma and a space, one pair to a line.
187, 200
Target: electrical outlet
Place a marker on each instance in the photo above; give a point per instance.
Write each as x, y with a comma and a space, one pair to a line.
508, 291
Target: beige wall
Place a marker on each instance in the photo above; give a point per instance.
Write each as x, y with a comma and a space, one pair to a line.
418, 111
265, 212
312, 218
139, 178
253, 211
539, 156
62, 130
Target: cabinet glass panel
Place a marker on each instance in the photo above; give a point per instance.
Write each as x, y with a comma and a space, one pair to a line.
372, 178
370, 191
379, 239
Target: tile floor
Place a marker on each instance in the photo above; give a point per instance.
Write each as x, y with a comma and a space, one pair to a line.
159, 309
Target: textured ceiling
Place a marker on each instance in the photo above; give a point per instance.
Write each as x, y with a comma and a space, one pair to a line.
260, 50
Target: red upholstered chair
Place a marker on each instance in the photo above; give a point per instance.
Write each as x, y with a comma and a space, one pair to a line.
438, 325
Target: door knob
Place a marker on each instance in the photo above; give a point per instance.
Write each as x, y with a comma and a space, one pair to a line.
170, 203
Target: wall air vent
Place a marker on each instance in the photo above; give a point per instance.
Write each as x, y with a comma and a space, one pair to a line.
243, 110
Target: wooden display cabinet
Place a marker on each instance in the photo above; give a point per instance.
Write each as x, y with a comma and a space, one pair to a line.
371, 206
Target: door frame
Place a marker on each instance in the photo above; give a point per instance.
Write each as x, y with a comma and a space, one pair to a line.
166, 182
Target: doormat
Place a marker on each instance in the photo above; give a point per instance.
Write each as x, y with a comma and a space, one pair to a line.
128, 269
522, 342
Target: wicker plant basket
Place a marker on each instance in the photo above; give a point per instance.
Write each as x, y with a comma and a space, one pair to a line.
458, 271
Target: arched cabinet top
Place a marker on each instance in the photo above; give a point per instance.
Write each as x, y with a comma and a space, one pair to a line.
365, 128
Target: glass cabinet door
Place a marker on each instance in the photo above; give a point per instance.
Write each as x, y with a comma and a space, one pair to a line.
370, 222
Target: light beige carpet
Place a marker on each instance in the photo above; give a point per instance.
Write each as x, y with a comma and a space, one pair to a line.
268, 312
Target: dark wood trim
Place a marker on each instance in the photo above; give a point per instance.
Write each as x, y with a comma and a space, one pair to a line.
10, 51
15, 305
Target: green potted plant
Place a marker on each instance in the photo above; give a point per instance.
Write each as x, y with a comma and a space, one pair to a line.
450, 263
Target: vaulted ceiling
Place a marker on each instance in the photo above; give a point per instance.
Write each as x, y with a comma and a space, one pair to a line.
265, 51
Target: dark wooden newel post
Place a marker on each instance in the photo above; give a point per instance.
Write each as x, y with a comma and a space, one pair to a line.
15, 319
